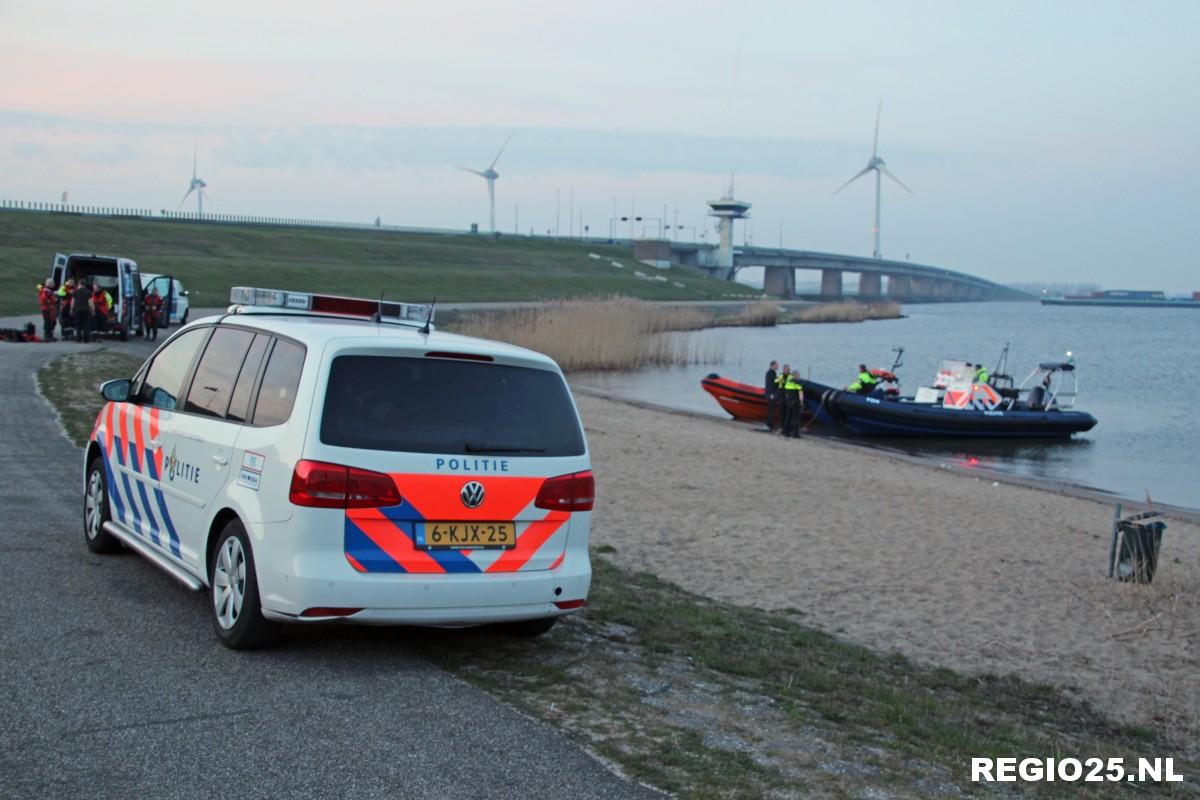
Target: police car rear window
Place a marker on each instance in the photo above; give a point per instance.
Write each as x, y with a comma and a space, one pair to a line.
427, 405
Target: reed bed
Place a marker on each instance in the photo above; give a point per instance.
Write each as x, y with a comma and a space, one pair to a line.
762, 314
616, 334
847, 312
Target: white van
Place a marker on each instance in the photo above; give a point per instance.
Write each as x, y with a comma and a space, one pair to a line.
118, 276
308, 458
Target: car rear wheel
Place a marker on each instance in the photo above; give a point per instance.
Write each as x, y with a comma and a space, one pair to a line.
528, 628
233, 593
95, 511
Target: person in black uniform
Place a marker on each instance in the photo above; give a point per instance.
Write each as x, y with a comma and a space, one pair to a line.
773, 395
793, 404
81, 309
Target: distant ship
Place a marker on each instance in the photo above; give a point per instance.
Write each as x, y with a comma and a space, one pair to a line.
1125, 297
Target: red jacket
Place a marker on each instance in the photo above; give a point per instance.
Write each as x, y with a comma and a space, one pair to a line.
47, 299
100, 302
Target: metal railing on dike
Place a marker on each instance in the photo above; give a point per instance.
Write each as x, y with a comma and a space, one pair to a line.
215, 219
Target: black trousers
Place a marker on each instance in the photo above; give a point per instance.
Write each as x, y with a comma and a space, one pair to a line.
773, 408
49, 320
793, 407
83, 327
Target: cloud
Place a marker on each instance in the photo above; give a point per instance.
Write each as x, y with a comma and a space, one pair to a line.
25, 150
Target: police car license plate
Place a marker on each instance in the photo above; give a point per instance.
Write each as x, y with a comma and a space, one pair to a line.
470, 535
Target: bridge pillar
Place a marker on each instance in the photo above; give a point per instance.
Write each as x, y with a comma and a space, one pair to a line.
831, 283
943, 289
922, 287
870, 285
899, 286
961, 291
780, 281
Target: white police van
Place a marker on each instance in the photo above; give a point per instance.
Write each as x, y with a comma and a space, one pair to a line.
310, 458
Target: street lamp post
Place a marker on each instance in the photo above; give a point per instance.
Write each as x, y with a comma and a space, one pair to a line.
659, 220
631, 220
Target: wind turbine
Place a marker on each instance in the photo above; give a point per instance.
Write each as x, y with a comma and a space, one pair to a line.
198, 186
880, 168
490, 176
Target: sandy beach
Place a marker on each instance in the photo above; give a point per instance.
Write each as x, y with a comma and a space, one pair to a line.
948, 569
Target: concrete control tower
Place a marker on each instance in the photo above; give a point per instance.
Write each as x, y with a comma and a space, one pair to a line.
726, 210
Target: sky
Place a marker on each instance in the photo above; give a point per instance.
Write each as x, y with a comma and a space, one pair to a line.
1051, 142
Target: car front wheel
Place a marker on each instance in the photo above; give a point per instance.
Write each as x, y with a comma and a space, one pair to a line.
233, 593
95, 511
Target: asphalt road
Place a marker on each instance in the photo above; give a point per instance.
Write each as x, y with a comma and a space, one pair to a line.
112, 683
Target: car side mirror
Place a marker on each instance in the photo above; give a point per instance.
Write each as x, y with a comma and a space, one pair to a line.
116, 391
184, 293
161, 398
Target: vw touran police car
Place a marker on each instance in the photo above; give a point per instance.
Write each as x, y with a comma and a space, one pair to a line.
309, 458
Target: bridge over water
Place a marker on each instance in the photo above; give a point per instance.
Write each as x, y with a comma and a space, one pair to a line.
877, 278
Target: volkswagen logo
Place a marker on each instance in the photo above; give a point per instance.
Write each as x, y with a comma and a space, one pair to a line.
471, 494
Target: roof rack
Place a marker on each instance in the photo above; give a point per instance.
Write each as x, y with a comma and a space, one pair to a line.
250, 300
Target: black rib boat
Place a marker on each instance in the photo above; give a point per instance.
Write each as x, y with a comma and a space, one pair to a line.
1033, 410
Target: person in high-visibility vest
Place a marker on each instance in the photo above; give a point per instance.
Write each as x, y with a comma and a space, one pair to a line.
66, 318
780, 380
793, 403
101, 305
48, 302
981, 374
865, 383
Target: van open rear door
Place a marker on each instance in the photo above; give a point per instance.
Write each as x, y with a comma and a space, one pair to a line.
58, 272
165, 284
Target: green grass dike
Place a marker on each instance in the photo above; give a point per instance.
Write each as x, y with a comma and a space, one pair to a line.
705, 699
210, 258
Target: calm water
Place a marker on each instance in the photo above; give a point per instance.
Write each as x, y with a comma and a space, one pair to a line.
1137, 376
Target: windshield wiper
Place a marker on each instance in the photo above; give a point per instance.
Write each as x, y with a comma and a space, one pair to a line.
501, 448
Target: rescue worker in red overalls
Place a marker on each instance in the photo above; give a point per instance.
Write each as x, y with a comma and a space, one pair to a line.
66, 318
48, 301
101, 304
151, 311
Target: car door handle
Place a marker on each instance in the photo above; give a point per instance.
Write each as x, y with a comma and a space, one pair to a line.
155, 444
219, 459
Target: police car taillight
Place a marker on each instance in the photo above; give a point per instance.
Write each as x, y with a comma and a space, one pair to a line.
316, 484
574, 492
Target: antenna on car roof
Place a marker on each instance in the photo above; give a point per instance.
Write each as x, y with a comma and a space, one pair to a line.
429, 317
378, 318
